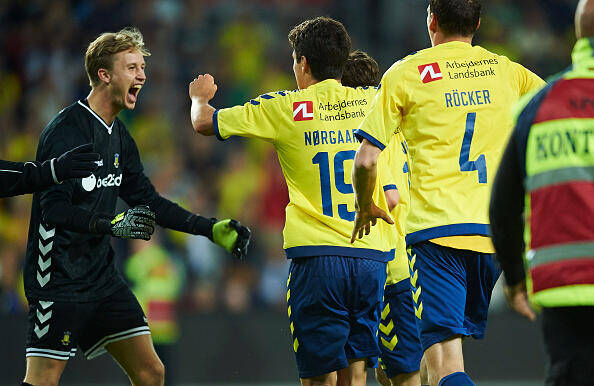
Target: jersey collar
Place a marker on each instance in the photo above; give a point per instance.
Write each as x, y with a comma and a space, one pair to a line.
325, 83
583, 52
86, 106
454, 44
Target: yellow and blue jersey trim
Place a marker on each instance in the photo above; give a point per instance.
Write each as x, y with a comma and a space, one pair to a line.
330, 250
215, 125
361, 134
464, 229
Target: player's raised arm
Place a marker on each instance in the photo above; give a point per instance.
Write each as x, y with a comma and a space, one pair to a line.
202, 89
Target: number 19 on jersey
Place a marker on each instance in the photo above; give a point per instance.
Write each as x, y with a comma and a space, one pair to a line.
322, 159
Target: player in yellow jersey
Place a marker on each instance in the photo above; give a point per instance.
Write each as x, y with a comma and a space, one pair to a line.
335, 288
452, 102
398, 338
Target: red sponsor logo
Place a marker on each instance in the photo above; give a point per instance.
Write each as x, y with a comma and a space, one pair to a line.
303, 111
430, 72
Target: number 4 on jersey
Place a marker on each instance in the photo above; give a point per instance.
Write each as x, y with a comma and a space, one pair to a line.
465, 164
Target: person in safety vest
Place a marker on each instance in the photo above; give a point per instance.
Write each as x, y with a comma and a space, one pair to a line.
546, 180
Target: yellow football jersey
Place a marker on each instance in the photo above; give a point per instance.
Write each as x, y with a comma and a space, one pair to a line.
453, 103
313, 133
393, 171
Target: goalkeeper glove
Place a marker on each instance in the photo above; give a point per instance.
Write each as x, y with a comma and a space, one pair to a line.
135, 223
79, 162
232, 236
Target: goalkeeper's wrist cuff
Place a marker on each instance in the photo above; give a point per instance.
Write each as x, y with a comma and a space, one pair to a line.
100, 224
52, 168
201, 225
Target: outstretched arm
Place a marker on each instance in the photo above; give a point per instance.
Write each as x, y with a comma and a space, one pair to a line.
202, 89
137, 189
364, 179
28, 177
24, 177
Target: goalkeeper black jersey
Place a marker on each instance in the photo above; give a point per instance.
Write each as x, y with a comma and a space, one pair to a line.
65, 261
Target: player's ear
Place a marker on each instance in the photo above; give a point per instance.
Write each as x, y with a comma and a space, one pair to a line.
103, 75
432, 23
478, 25
305, 69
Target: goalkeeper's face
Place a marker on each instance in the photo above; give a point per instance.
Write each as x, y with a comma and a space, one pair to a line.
126, 78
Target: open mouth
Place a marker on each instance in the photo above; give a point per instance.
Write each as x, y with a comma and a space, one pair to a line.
133, 92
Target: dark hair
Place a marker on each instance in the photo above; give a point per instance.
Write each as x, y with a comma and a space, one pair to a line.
456, 17
360, 70
326, 45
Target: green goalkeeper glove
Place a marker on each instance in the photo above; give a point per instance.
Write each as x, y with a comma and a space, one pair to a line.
232, 236
135, 223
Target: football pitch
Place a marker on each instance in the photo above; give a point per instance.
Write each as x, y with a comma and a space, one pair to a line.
370, 382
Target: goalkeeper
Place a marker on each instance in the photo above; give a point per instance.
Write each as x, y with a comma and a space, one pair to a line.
76, 296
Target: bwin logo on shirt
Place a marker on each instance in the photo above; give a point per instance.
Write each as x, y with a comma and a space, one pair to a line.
92, 182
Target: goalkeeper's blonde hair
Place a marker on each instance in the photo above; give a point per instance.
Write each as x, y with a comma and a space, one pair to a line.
101, 51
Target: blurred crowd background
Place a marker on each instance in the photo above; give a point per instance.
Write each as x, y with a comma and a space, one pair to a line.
243, 44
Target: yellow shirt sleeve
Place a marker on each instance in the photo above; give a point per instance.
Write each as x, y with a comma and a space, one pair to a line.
527, 80
386, 110
255, 119
384, 172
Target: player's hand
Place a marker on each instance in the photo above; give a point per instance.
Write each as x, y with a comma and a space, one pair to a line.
79, 162
366, 217
232, 236
517, 299
203, 88
135, 223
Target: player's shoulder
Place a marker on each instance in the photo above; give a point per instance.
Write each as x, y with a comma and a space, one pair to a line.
272, 98
495, 57
63, 122
407, 61
63, 131
366, 92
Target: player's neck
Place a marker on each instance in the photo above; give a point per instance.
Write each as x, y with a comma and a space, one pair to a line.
439, 38
100, 102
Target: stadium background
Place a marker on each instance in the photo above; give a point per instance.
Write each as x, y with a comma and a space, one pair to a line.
223, 321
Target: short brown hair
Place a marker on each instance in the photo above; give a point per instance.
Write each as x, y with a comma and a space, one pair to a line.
360, 70
101, 51
325, 44
456, 17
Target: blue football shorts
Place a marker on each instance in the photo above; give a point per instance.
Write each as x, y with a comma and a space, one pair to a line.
398, 337
451, 291
334, 305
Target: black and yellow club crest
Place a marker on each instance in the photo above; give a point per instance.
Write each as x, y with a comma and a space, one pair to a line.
116, 160
66, 339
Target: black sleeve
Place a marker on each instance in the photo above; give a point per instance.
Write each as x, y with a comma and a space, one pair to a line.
506, 214
137, 189
56, 202
24, 177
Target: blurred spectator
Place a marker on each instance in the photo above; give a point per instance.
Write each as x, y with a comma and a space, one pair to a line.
157, 281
